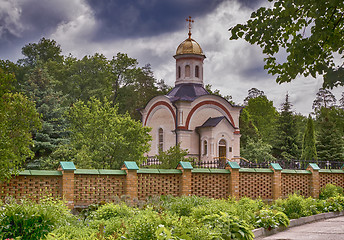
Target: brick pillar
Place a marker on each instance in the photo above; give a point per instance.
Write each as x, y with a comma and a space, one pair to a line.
186, 178
68, 187
276, 181
68, 169
314, 180
234, 182
131, 182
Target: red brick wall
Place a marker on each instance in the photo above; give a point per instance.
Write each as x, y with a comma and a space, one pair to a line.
90, 188
83, 188
32, 187
157, 184
292, 183
333, 178
255, 185
210, 185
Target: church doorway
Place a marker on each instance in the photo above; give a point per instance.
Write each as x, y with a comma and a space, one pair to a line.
222, 152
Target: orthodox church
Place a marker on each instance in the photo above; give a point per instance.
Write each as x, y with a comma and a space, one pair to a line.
206, 125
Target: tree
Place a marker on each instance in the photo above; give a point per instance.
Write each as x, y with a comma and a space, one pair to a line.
257, 151
18, 117
247, 128
45, 50
103, 138
324, 99
309, 32
253, 93
330, 145
40, 89
263, 115
171, 157
309, 151
341, 101
286, 134
229, 98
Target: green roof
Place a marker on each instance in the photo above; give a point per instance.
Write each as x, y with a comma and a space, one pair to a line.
276, 166
185, 165
233, 165
314, 166
131, 165
67, 165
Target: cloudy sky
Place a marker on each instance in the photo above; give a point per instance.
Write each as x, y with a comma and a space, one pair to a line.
150, 31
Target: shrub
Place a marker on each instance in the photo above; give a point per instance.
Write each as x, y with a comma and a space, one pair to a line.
183, 206
228, 227
269, 219
30, 220
112, 210
293, 206
330, 190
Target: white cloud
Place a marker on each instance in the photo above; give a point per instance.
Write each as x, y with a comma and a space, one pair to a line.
233, 67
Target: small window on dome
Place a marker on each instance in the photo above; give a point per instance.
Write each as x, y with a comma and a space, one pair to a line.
187, 71
197, 71
179, 72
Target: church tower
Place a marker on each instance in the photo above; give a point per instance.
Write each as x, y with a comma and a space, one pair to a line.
206, 125
189, 61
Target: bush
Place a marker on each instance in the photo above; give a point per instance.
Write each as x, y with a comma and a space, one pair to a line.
330, 190
270, 219
293, 206
183, 206
30, 220
112, 210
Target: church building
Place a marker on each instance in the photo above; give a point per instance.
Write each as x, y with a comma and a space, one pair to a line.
206, 125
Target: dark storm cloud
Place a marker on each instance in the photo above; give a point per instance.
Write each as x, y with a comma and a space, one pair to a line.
132, 18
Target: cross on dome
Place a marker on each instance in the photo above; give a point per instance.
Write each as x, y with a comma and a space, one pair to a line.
190, 21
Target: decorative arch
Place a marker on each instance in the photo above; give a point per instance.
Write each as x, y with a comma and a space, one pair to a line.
163, 104
209, 102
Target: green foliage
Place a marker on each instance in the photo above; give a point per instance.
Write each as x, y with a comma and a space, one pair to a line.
309, 32
286, 145
30, 220
45, 50
330, 190
48, 102
183, 206
247, 128
309, 151
112, 210
102, 138
227, 226
330, 145
263, 115
257, 151
270, 219
18, 117
170, 158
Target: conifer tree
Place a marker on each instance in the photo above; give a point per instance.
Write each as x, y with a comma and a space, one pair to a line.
48, 104
286, 136
309, 151
330, 145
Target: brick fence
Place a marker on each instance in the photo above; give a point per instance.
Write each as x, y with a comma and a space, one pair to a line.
81, 187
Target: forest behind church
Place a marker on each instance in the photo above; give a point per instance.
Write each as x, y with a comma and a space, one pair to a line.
85, 110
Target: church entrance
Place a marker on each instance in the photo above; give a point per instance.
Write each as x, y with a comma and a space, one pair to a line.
222, 152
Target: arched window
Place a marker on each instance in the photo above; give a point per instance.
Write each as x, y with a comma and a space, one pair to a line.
187, 71
205, 147
179, 72
161, 139
197, 71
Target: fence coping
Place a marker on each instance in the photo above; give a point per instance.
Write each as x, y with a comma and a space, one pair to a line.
314, 166
185, 165
159, 171
131, 165
233, 165
100, 172
256, 170
293, 171
40, 173
210, 170
331, 171
67, 166
276, 166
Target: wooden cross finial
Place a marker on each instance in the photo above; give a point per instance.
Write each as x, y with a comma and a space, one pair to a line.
190, 21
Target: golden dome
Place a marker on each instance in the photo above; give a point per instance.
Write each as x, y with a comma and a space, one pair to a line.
189, 46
